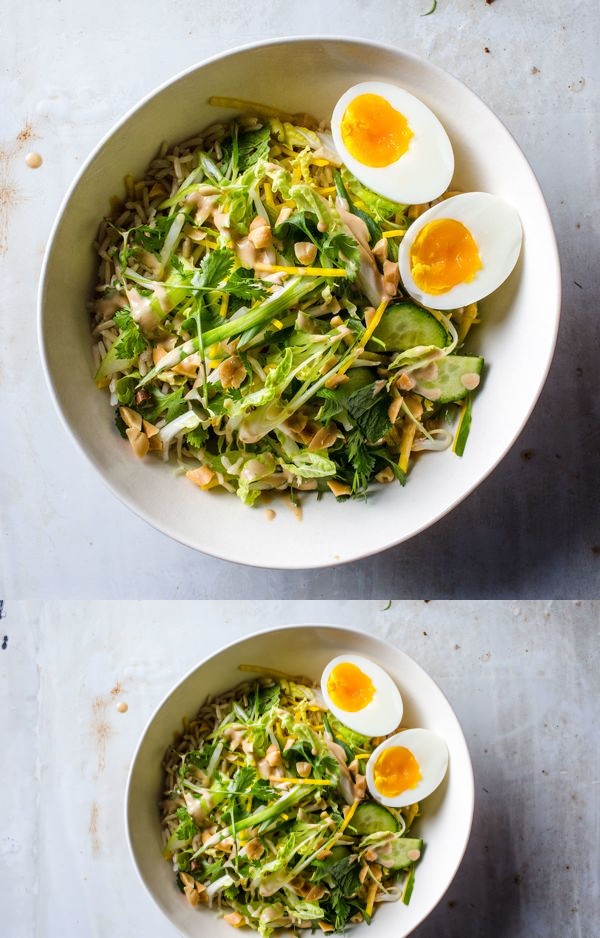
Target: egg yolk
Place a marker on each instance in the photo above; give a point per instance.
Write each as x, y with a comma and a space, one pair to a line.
350, 688
395, 771
374, 132
443, 254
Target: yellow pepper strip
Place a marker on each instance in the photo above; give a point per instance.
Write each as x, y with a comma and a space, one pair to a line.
395, 233
301, 781
301, 271
468, 318
207, 243
408, 433
319, 161
268, 191
325, 190
277, 323
367, 335
224, 305
348, 817
371, 898
239, 105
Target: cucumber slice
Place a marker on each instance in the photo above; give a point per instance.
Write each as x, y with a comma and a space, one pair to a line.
337, 853
449, 382
394, 855
357, 378
405, 326
369, 818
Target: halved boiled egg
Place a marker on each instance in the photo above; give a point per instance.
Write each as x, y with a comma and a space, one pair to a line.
361, 695
407, 767
392, 142
460, 250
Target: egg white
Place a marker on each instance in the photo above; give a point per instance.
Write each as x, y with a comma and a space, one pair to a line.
424, 171
430, 751
382, 714
496, 229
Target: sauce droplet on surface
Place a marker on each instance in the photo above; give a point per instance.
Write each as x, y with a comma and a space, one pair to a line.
269, 514
34, 160
122, 707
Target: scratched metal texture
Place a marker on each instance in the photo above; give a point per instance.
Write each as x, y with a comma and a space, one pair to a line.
521, 676
70, 69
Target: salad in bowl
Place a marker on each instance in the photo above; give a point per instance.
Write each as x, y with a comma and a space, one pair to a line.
282, 306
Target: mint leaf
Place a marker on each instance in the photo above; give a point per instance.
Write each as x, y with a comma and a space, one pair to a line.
253, 146
268, 697
369, 411
330, 407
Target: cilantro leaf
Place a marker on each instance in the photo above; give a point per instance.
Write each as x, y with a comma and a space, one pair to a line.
187, 829
243, 286
361, 459
215, 266
123, 319
198, 758
341, 249
196, 438
170, 405
242, 779
125, 388
131, 342
152, 237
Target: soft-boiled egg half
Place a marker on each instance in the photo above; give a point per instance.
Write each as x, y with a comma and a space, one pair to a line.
407, 767
460, 250
392, 142
361, 695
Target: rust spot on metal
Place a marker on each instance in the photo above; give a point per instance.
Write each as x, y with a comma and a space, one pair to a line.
93, 829
102, 731
26, 134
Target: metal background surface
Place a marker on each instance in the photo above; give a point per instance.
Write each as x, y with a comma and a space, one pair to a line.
70, 69
521, 677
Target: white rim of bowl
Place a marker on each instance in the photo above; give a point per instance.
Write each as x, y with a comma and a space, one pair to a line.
168, 529
329, 627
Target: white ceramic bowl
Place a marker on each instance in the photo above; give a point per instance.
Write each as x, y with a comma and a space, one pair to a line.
447, 814
517, 336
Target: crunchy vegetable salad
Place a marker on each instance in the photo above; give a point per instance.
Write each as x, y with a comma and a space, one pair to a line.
266, 816
251, 324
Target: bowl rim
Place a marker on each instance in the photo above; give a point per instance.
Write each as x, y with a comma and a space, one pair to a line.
168, 528
468, 782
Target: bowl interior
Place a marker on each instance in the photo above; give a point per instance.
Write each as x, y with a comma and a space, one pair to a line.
446, 815
516, 337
